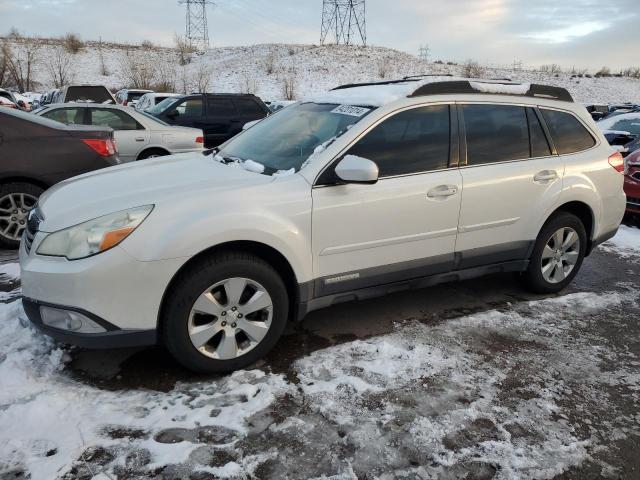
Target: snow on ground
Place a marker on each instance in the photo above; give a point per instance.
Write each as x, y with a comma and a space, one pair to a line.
264, 69
437, 398
626, 243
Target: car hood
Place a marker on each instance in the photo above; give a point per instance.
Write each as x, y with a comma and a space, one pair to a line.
148, 182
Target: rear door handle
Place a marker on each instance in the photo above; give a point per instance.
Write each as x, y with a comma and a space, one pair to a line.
545, 176
442, 191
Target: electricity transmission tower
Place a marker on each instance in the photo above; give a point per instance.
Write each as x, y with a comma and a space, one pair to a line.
424, 53
196, 30
344, 21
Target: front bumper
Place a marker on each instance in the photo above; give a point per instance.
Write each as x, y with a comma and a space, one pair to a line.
113, 337
115, 288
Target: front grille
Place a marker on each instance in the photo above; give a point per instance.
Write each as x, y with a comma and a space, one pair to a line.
33, 224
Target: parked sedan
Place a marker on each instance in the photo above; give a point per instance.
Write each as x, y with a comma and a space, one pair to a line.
622, 130
138, 135
36, 153
632, 183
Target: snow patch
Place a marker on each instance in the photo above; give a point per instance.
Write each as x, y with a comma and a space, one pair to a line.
9, 270
625, 244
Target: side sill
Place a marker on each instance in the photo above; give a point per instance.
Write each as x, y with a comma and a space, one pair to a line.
303, 308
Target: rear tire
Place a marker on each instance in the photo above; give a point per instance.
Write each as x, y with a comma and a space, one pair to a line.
224, 313
557, 255
152, 153
16, 201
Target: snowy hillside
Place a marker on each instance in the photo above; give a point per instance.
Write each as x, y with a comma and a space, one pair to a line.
266, 69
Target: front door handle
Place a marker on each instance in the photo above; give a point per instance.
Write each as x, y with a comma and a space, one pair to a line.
139, 139
442, 191
545, 176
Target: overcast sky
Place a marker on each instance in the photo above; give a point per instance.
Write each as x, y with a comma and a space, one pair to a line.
584, 33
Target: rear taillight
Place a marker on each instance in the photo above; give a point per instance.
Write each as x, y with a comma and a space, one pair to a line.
103, 147
199, 139
617, 162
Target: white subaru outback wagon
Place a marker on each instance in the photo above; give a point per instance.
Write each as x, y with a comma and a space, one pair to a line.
355, 193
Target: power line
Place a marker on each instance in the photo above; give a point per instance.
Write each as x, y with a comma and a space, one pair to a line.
196, 29
344, 20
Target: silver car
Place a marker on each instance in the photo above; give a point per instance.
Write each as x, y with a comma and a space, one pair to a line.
138, 135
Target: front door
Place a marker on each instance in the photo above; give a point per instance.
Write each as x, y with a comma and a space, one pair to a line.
402, 227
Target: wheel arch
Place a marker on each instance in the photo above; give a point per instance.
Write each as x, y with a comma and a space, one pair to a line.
152, 149
266, 252
586, 215
21, 179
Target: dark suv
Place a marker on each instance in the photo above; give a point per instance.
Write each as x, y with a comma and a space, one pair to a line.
220, 116
36, 153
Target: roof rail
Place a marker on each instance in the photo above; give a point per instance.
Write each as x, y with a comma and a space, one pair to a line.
464, 86
427, 75
370, 84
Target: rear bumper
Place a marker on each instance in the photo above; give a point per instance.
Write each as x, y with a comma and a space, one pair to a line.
113, 337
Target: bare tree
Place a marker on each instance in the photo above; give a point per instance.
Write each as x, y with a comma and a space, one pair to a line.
5, 53
165, 75
289, 85
203, 77
59, 65
72, 43
472, 69
270, 63
185, 80
21, 65
248, 84
103, 66
138, 71
184, 49
384, 67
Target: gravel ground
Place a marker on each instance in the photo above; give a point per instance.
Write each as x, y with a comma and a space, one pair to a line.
474, 380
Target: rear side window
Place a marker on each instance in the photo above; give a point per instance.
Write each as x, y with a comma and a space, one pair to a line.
539, 144
413, 141
115, 119
495, 133
66, 115
220, 107
569, 135
249, 107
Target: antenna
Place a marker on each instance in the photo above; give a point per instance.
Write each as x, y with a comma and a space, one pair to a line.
344, 20
196, 30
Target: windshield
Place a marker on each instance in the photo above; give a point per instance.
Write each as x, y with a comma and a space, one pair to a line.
162, 106
285, 140
628, 125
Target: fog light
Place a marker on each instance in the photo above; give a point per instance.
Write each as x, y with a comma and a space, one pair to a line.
68, 320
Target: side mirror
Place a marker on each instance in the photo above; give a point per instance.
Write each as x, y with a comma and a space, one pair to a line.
353, 169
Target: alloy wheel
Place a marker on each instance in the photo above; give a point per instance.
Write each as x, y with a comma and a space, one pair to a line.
14, 210
230, 318
560, 255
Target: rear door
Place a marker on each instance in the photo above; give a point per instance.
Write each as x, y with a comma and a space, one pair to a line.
68, 115
223, 120
130, 136
405, 225
511, 177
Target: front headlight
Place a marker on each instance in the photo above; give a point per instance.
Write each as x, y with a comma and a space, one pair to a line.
94, 236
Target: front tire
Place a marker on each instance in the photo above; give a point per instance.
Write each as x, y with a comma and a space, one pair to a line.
557, 255
224, 313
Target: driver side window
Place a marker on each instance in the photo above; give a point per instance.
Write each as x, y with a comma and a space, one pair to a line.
413, 141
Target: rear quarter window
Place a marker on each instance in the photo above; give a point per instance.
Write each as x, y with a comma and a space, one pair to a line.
568, 133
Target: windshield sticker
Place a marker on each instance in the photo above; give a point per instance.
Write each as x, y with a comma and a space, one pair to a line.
351, 110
